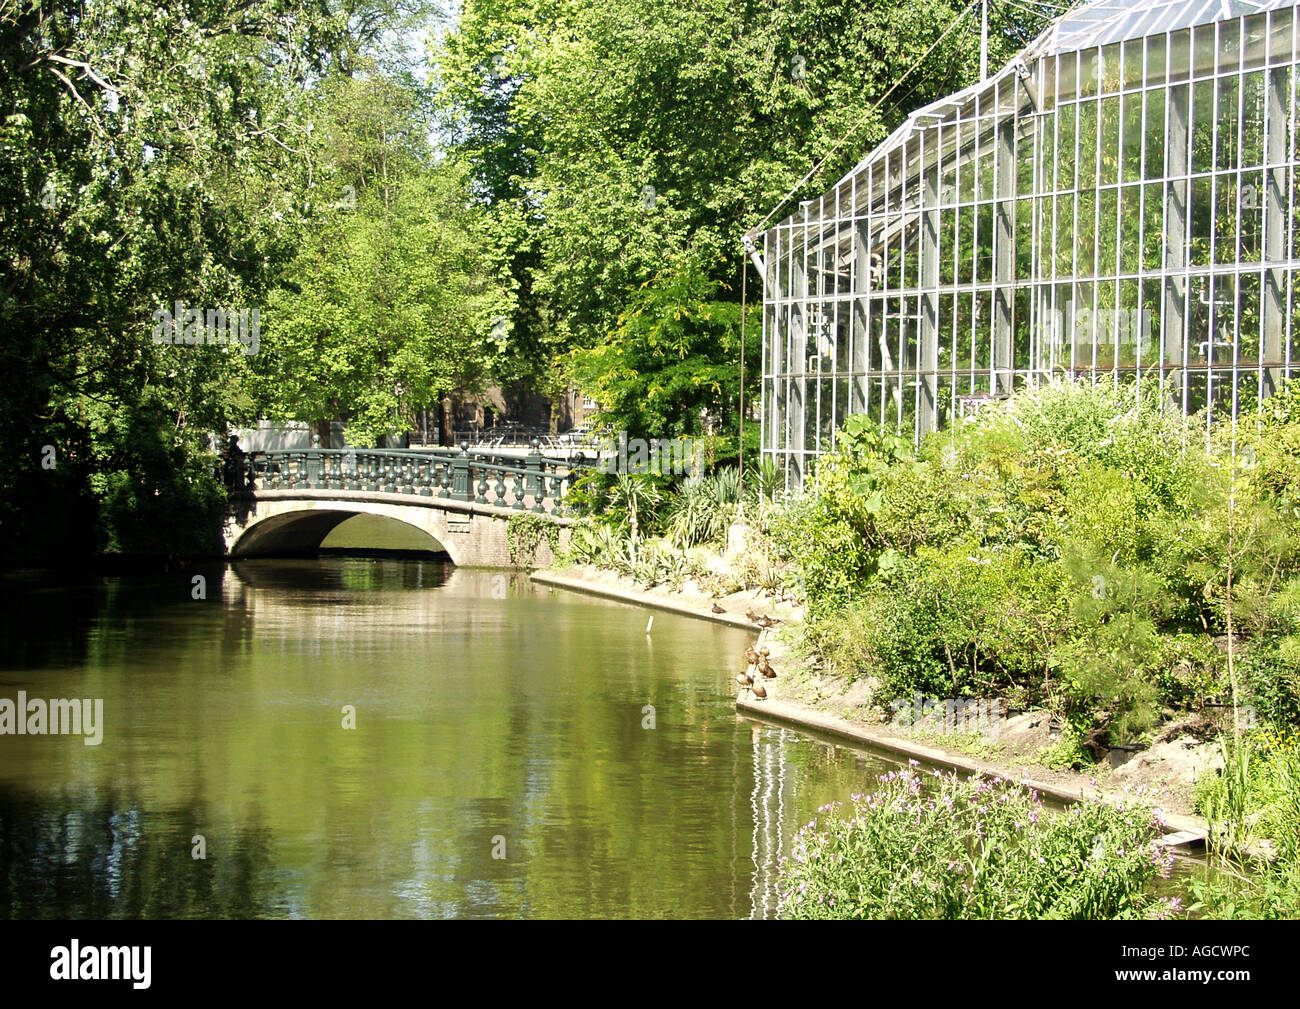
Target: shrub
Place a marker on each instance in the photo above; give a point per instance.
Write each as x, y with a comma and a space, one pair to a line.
977, 848
703, 509
953, 622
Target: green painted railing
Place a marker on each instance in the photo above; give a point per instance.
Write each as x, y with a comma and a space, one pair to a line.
531, 482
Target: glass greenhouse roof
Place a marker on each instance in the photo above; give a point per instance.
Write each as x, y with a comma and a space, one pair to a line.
1119, 20
1096, 24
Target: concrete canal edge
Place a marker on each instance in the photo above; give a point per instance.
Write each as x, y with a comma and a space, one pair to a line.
690, 609
1185, 831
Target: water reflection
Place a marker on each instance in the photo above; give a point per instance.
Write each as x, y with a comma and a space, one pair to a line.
485, 707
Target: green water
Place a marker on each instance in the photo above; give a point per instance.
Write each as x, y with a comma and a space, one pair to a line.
492, 717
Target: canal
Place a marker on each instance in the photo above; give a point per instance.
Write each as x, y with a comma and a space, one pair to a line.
377, 737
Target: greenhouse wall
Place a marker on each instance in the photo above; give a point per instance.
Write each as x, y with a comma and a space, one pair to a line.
1116, 205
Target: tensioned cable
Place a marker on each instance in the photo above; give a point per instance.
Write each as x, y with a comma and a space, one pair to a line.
749, 235
744, 267
858, 125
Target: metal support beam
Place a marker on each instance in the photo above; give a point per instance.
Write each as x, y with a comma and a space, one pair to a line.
1004, 259
1177, 198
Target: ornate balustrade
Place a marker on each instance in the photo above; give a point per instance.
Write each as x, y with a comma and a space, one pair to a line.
535, 483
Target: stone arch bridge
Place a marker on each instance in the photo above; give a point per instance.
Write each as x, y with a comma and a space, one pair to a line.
289, 501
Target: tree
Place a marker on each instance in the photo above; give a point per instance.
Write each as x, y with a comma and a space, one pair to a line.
612, 139
150, 155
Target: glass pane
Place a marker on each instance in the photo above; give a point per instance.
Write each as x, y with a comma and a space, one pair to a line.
1252, 119
966, 245
1229, 44
1107, 228
1067, 78
1279, 40
1202, 214
1066, 138
1154, 158
1111, 71
1085, 237
1248, 320
1090, 72
1109, 153
1227, 153
1252, 216
1087, 145
984, 243
1132, 142
1255, 42
1065, 229
1203, 110
1153, 226
1047, 152
1133, 64
1225, 225
1024, 230
1130, 223
947, 245
1204, 45
1156, 56
1179, 55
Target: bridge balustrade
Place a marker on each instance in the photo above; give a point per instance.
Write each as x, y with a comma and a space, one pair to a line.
536, 483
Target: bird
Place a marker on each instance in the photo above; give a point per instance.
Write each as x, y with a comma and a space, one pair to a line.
717, 608
746, 682
765, 668
751, 656
751, 616
758, 691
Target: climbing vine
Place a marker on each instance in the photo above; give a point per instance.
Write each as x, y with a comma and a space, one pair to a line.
524, 534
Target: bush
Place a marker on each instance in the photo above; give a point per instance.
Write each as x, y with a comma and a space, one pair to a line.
703, 509
949, 623
977, 848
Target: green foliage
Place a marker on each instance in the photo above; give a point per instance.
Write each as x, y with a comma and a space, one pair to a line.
393, 297
1257, 795
703, 509
1072, 545
150, 154
943, 848
672, 356
525, 533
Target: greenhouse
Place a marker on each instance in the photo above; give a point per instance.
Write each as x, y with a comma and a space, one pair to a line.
1114, 205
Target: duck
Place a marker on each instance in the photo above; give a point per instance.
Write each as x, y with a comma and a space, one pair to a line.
751, 656
745, 681
765, 668
717, 608
759, 691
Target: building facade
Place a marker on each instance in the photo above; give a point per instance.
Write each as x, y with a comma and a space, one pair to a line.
1115, 205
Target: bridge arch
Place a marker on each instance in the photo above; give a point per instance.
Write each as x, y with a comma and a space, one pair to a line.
295, 526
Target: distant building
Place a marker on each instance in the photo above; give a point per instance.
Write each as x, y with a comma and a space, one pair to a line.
1117, 203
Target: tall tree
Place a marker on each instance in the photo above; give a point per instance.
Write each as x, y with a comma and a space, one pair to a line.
611, 139
151, 155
